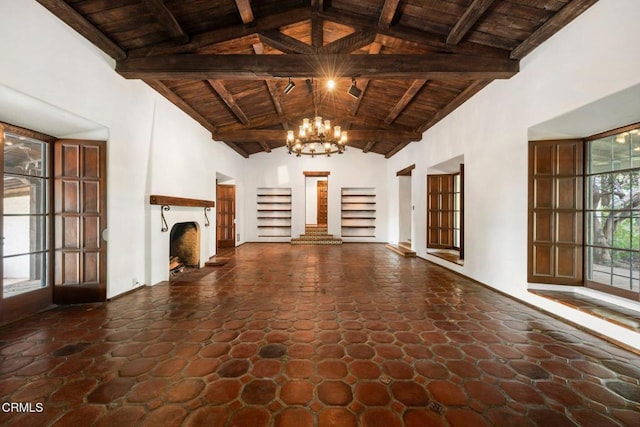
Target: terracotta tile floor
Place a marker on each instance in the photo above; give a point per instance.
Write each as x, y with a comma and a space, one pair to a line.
300, 336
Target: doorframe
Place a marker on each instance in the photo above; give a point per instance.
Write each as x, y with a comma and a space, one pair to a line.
406, 172
315, 174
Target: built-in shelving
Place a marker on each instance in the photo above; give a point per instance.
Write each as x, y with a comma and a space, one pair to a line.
274, 212
358, 211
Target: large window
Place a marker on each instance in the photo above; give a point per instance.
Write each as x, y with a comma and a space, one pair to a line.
584, 212
445, 215
24, 215
612, 214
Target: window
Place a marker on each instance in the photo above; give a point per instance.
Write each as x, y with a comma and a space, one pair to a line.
24, 215
612, 214
445, 215
584, 228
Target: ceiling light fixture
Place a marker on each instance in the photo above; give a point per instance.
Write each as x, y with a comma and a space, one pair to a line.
316, 137
331, 84
309, 84
353, 90
289, 87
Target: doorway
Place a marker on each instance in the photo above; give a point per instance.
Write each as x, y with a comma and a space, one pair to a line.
316, 199
225, 216
53, 213
405, 206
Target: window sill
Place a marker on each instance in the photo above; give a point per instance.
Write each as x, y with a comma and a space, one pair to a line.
624, 314
447, 255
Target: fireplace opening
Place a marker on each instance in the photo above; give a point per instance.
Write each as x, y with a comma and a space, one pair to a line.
184, 247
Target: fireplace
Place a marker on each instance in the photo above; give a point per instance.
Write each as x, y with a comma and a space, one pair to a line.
184, 247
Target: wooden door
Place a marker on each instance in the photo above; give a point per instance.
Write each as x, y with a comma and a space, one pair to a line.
25, 287
555, 212
322, 192
226, 216
80, 217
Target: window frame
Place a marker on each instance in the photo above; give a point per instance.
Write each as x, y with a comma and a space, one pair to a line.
442, 210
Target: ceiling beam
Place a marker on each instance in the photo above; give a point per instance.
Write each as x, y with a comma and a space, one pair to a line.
228, 99
284, 43
374, 49
388, 12
164, 90
396, 149
258, 67
223, 34
355, 136
567, 14
76, 21
265, 146
349, 43
424, 38
164, 16
470, 16
235, 147
244, 7
462, 97
405, 100
258, 48
317, 31
369, 146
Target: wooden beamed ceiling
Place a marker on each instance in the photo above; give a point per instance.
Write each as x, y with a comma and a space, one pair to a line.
226, 62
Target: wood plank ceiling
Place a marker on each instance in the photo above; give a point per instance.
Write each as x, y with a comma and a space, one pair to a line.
226, 62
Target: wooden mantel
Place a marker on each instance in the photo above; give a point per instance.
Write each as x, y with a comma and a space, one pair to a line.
180, 201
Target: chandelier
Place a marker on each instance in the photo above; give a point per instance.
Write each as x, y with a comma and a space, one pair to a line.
316, 137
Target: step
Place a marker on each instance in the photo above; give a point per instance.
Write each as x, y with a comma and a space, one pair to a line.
315, 231
401, 250
405, 245
298, 241
316, 236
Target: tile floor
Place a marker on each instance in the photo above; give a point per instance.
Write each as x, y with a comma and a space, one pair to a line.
350, 335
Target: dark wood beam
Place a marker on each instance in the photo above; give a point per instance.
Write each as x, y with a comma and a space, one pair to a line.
258, 67
163, 90
475, 10
228, 99
265, 146
374, 49
317, 31
284, 43
424, 38
155, 199
244, 7
405, 100
388, 12
567, 14
349, 43
258, 48
396, 149
76, 21
279, 137
471, 90
219, 35
235, 147
164, 16
369, 146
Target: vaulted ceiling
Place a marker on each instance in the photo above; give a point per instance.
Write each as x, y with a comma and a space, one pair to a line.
226, 62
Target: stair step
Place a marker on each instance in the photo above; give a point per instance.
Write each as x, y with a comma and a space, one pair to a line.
405, 245
401, 250
298, 241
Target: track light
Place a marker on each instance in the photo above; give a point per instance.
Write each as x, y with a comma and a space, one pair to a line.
309, 84
353, 89
289, 87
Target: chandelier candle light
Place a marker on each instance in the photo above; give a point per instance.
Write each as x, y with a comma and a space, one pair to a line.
316, 137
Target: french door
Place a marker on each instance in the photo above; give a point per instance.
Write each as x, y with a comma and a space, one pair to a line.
53, 212
25, 226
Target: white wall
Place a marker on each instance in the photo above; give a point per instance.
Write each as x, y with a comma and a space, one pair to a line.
145, 134
350, 169
586, 61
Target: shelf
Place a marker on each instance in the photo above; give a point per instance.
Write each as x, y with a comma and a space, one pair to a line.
273, 211
358, 212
